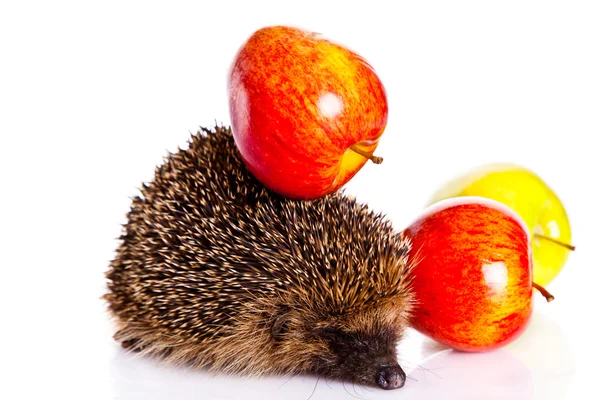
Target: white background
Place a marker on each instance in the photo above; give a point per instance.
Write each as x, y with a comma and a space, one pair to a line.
93, 95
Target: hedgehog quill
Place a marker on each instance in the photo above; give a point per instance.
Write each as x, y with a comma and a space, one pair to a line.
215, 271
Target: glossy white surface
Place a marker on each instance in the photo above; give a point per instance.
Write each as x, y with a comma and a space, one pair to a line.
92, 95
541, 365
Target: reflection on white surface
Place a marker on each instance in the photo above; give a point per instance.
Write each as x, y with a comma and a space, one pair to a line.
452, 374
536, 366
136, 378
539, 365
546, 351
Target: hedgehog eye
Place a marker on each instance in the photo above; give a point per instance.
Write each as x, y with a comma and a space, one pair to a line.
334, 335
328, 332
280, 327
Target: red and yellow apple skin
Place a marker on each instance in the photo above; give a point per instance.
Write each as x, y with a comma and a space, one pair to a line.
473, 273
298, 102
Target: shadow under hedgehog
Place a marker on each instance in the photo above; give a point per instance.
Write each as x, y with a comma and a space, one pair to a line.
215, 271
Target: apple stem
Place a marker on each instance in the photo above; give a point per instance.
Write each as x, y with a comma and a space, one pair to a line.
558, 242
375, 159
544, 292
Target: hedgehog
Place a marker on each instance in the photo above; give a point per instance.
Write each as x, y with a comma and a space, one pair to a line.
215, 271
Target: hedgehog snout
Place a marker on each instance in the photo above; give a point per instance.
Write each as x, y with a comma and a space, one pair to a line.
390, 377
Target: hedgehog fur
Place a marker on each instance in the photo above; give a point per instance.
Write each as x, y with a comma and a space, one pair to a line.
215, 271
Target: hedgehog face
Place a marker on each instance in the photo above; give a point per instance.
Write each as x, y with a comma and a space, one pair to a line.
359, 347
362, 357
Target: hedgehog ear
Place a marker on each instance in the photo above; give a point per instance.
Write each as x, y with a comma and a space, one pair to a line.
280, 326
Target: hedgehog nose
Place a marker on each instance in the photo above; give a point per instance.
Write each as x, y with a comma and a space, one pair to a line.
391, 377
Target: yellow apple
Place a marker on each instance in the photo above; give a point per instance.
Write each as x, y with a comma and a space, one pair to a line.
528, 195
